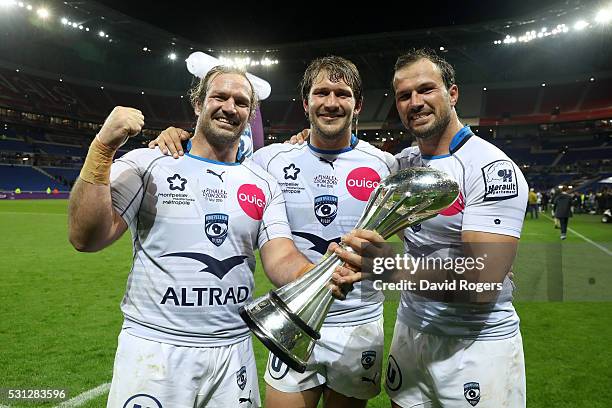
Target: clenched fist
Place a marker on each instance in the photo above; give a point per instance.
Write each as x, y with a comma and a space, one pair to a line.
121, 124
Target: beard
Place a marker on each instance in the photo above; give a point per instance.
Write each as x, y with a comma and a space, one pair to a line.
435, 129
218, 137
331, 133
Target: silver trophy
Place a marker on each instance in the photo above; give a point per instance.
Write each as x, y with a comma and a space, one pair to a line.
287, 320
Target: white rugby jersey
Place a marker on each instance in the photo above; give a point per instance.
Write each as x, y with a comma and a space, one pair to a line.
325, 193
194, 223
493, 198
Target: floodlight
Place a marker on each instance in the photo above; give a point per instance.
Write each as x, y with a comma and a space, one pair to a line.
42, 13
580, 25
603, 16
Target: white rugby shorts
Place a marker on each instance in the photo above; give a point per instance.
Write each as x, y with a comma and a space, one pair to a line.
429, 371
347, 359
158, 375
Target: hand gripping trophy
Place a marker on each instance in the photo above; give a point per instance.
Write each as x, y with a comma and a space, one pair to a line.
287, 320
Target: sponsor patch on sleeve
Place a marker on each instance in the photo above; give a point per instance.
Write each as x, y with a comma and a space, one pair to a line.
500, 180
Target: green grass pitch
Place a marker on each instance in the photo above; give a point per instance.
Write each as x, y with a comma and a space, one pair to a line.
59, 309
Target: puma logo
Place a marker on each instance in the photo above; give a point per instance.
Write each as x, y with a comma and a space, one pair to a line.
209, 171
241, 400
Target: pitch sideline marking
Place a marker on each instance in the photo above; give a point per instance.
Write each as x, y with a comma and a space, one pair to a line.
595, 244
84, 397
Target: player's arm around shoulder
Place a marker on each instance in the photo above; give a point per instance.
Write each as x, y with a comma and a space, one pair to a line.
93, 222
170, 141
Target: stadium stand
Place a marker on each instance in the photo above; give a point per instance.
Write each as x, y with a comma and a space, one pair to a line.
598, 95
15, 145
502, 103
557, 133
60, 150
65, 176
27, 178
564, 97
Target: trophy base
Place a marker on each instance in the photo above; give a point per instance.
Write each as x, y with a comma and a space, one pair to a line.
276, 349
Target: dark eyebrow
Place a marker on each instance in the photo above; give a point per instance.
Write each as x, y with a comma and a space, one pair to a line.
328, 89
219, 92
242, 98
319, 88
426, 84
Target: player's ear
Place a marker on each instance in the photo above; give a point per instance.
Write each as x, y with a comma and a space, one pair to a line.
453, 94
358, 106
305, 105
197, 109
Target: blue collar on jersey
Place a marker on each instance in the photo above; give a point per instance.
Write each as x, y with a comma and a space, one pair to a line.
239, 156
354, 141
458, 140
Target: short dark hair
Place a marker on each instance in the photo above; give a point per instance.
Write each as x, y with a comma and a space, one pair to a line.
337, 69
446, 70
198, 92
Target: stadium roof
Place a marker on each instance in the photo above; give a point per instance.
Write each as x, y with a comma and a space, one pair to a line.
144, 34
239, 24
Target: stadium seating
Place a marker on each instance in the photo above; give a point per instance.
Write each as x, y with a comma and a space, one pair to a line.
598, 95
274, 111
170, 110
587, 154
65, 176
14, 145
26, 178
61, 143
60, 150
509, 102
563, 96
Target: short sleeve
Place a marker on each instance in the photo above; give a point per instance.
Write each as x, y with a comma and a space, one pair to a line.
259, 157
392, 162
126, 187
409, 157
274, 222
496, 199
